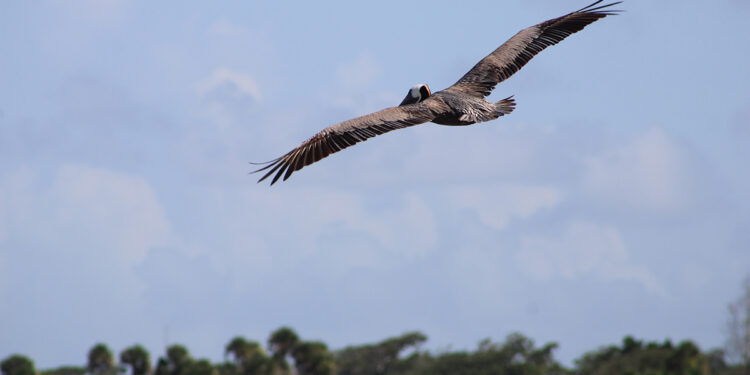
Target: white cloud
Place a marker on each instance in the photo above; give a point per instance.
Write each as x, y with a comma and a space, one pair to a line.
497, 205
92, 211
584, 249
227, 95
359, 73
477, 154
225, 28
117, 208
650, 174
238, 84
250, 233
403, 230
354, 89
74, 237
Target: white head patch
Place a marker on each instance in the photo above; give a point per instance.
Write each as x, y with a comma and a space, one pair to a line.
414, 92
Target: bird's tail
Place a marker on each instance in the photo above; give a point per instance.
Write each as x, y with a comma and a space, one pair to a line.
505, 106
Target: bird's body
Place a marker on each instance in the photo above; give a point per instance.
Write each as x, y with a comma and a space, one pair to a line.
463, 103
462, 109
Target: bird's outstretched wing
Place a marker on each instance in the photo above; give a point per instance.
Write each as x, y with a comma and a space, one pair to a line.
340, 136
518, 50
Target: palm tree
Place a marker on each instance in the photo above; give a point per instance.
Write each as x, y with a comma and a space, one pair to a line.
100, 360
17, 365
178, 359
138, 358
313, 358
200, 367
281, 343
249, 357
239, 348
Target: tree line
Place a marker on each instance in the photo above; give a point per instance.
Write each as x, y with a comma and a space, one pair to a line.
286, 354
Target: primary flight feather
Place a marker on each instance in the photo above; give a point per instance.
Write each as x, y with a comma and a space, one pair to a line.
461, 104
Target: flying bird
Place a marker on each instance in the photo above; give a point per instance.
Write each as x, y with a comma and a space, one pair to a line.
461, 104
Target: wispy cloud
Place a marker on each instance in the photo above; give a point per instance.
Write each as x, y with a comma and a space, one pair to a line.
224, 27
224, 81
75, 236
228, 95
583, 249
402, 231
361, 72
497, 205
651, 173
106, 212
354, 86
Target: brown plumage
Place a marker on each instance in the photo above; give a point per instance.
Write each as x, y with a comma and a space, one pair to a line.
340, 136
461, 104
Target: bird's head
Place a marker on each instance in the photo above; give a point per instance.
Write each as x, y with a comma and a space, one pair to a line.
416, 94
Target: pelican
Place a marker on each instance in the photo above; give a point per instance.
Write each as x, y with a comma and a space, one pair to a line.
461, 104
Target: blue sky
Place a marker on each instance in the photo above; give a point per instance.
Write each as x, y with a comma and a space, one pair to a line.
615, 200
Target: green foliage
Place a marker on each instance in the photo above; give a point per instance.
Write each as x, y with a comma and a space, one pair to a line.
177, 354
17, 365
401, 355
138, 359
310, 357
637, 358
177, 362
717, 363
227, 368
199, 367
239, 348
281, 343
65, 370
283, 340
249, 357
162, 367
101, 361
516, 356
376, 359
313, 358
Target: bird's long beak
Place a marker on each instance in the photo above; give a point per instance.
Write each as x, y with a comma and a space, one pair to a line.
409, 99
